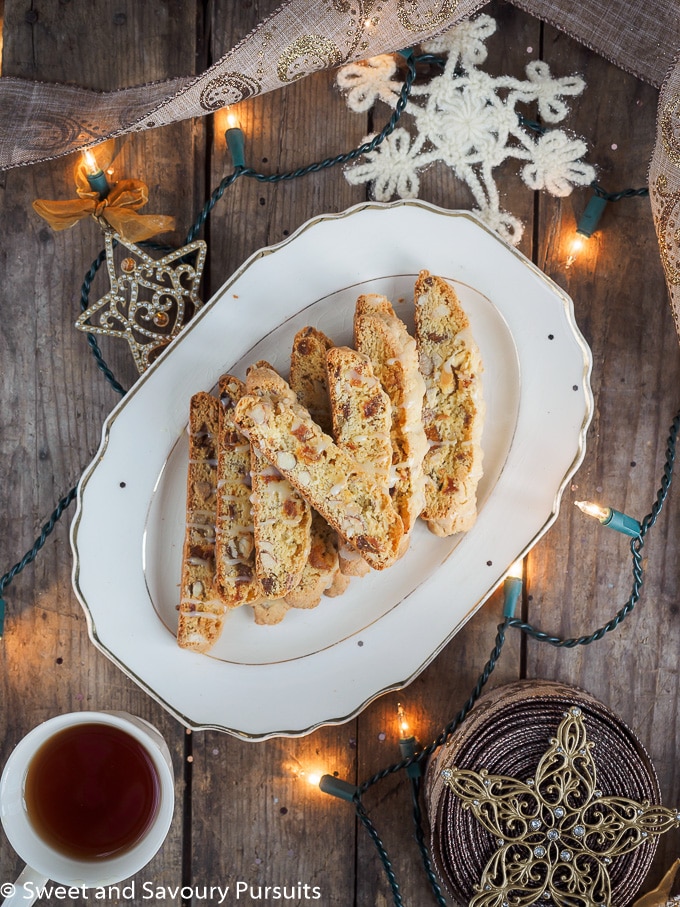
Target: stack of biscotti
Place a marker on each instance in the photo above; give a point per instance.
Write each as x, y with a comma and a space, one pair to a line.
350, 500
295, 487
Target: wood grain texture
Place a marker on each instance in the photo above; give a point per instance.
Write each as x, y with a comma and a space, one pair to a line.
53, 398
275, 829
245, 812
580, 574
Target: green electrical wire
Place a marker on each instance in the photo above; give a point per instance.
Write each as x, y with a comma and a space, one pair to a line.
540, 636
535, 633
31, 554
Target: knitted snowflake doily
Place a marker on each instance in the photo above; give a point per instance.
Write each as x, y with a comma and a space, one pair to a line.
468, 119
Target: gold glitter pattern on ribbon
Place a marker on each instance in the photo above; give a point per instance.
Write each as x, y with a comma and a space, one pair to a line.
229, 88
414, 18
668, 229
307, 54
669, 127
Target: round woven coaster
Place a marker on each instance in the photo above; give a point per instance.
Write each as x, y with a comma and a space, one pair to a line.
507, 733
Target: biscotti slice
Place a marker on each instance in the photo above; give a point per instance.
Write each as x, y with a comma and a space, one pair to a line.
309, 382
382, 336
201, 609
308, 376
328, 477
362, 419
281, 517
321, 567
234, 533
454, 409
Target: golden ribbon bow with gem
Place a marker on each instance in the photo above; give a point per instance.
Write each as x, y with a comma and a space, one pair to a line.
119, 209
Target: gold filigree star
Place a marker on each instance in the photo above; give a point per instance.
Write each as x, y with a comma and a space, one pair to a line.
556, 833
150, 300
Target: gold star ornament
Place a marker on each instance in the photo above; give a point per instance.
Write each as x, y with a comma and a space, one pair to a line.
150, 299
556, 834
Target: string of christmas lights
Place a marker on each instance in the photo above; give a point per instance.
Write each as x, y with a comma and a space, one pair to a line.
235, 140
412, 755
236, 144
513, 587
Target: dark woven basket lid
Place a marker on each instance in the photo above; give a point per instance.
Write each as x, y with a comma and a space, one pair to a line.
507, 733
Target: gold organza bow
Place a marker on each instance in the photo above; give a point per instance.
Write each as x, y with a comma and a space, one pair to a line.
119, 209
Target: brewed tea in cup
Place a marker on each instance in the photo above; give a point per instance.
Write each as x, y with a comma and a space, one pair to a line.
86, 799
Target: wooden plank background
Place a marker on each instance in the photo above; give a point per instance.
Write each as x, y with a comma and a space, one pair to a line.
244, 812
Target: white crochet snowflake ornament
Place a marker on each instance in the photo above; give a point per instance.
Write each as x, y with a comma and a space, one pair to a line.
468, 119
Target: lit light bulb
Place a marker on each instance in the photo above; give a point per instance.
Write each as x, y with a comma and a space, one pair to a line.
595, 510
575, 247
516, 569
587, 225
91, 162
404, 727
313, 779
512, 587
408, 744
95, 175
235, 141
612, 519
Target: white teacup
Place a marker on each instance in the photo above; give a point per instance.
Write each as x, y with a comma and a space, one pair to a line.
44, 861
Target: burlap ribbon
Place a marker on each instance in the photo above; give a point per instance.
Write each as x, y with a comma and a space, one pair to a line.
664, 187
49, 120
119, 209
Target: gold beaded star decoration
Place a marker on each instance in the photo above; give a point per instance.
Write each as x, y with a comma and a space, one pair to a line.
556, 833
150, 299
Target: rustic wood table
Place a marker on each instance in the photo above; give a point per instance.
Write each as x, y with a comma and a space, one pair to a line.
242, 812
